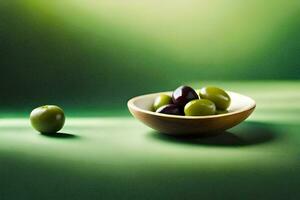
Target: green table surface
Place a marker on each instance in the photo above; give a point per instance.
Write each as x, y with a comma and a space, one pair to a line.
117, 157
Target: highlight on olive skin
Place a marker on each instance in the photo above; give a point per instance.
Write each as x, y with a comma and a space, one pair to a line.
185, 101
47, 119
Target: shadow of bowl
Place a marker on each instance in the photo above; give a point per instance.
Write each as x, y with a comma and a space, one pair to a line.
248, 133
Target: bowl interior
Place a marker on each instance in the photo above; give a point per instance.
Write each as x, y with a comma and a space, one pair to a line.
239, 103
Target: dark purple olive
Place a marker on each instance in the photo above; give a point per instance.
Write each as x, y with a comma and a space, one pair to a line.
170, 109
183, 95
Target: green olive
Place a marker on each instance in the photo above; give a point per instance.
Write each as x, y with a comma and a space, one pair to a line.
216, 95
219, 112
199, 107
47, 119
161, 100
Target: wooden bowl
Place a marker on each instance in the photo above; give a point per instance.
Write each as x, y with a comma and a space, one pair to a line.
240, 108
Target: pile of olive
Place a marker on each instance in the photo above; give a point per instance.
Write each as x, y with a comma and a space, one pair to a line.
186, 101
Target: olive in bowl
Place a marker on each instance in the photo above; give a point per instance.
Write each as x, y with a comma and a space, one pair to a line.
200, 107
240, 108
48, 119
217, 95
161, 100
184, 94
185, 101
170, 109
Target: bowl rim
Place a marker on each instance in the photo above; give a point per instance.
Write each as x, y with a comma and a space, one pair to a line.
132, 106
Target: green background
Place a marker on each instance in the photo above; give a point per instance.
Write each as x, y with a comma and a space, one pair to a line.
90, 57
98, 54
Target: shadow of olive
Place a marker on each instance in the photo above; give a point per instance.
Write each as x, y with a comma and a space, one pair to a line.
246, 134
60, 135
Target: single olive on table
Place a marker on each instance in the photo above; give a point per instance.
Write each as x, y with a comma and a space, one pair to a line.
185, 101
48, 119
